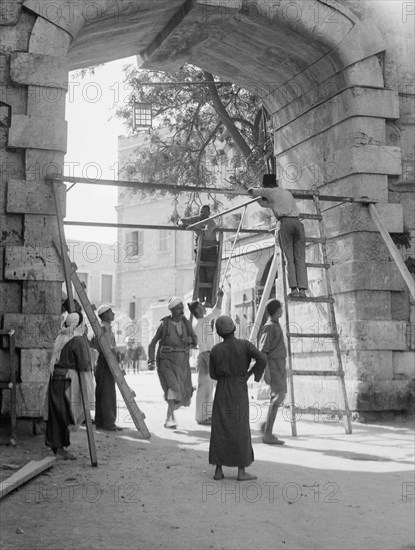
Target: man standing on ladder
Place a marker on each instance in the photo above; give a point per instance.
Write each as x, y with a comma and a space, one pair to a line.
209, 252
291, 231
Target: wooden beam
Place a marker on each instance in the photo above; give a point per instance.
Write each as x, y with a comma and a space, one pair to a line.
394, 252
238, 192
164, 227
32, 469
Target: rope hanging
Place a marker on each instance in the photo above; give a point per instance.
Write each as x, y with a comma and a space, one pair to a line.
233, 247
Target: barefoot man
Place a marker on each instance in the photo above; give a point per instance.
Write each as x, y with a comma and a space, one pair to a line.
230, 439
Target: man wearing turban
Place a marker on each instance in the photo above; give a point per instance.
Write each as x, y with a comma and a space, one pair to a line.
174, 336
63, 406
230, 439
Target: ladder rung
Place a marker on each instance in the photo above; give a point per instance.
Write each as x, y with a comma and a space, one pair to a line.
321, 266
205, 285
315, 239
312, 335
305, 216
313, 410
324, 299
315, 373
74, 267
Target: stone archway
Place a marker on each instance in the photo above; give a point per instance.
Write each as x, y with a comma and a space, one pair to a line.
318, 68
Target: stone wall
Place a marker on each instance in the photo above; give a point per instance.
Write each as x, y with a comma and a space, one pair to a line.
337, 78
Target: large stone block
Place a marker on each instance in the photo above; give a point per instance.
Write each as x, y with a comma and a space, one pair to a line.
42, 297
29, 198
40, 230
363, 304
383, 395
38, 70
368, 365
353, 102
40, 263
47, 37
43, 101
358, 275
33, 331
38, 133
403, 364
373, 335
11, 229
10, 13
363, 246
16, 37
31, 399
294, 168
10, 297
35, 365
400, 306
349, 218
43, 164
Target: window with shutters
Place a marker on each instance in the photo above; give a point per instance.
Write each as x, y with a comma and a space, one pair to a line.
106, 288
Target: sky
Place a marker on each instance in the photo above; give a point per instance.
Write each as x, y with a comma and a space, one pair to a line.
92, 148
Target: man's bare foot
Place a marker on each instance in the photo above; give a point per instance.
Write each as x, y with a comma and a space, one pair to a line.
244, 476
272, 440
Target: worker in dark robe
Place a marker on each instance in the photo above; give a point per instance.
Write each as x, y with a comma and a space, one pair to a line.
63, 406
105, 394
175, 336
230, 440
209, 251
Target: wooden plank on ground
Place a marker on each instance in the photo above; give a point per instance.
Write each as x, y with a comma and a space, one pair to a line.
32, 469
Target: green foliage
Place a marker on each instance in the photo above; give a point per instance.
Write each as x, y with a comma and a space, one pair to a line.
190, 143
402, 240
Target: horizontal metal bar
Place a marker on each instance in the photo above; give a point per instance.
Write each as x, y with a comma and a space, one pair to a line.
161, 227
297, 193
312, 335
185, 83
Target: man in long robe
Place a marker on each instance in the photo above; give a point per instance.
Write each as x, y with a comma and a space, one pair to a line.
63, 407
105, 394
230, 440
175, 336
205, 337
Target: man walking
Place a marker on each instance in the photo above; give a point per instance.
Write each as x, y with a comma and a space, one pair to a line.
204, 333
291, 231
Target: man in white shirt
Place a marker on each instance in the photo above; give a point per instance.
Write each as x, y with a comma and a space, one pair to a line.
291, 231
204, 332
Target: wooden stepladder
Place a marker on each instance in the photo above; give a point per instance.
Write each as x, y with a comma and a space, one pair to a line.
71, 276
333, 335
199, 265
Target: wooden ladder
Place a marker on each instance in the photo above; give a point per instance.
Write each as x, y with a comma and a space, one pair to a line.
127, 393
200, 264
333, 334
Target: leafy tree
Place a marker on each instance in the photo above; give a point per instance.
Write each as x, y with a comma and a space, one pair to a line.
212, 134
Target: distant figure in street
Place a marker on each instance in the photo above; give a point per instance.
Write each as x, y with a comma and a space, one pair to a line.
209, 252
63, 407
105, 395
291, 231
230, 439
204, 333
271, 342
175, 336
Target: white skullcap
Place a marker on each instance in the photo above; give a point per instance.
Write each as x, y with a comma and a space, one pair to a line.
102, 309
72, 319
173, 302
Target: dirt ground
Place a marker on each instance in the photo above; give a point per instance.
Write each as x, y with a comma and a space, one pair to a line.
322, 490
